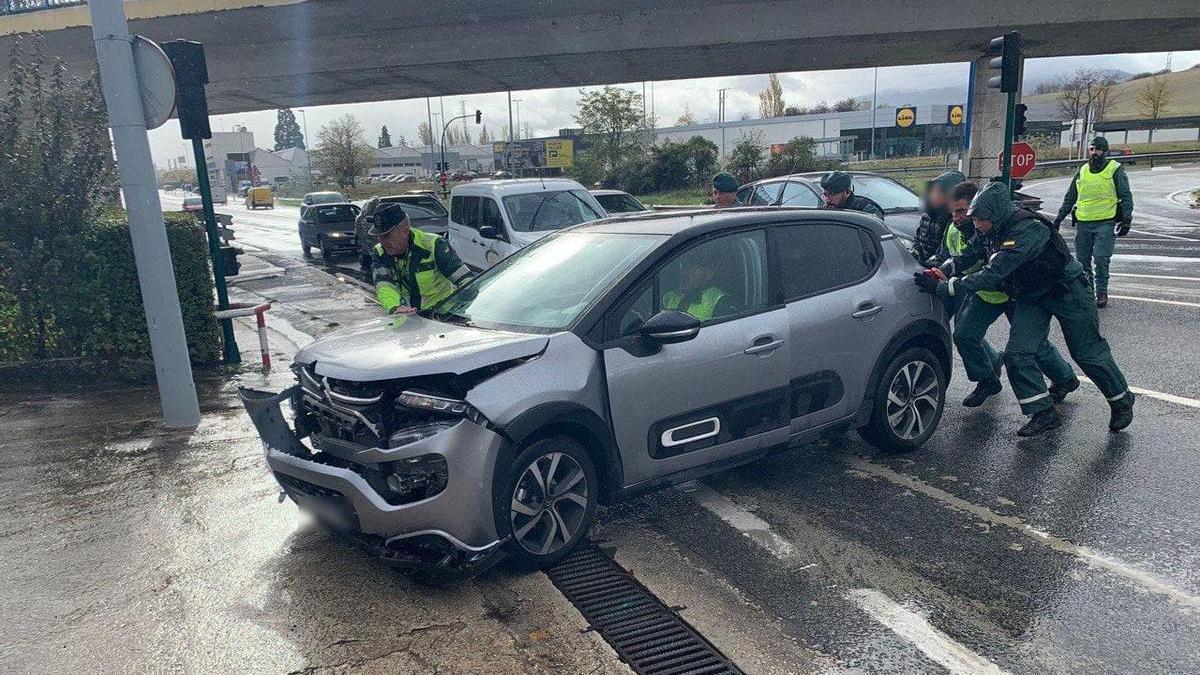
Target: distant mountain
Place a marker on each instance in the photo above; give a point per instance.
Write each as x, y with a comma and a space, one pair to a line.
1185, 96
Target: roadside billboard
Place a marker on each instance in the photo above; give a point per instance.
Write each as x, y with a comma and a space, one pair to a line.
534, 154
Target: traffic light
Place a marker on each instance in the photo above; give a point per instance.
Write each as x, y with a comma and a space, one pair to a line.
1019, 120
191, 74
478, 116
1008, 62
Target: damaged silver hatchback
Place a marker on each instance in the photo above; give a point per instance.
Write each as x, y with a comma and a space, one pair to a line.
612, 358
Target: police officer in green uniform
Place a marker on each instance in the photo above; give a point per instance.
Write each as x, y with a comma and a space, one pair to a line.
839, 194
412, 270
724, 190
935, 221
1103, 205
1028, 260
976, 312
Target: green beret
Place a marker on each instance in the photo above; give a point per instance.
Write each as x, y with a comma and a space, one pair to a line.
725, 182
1100, 143
835, 182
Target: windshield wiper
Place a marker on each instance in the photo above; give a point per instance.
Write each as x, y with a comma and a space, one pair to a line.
533, 218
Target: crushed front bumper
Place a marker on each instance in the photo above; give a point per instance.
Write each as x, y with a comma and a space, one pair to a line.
452, 531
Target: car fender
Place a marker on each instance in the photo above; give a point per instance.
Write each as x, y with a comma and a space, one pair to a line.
561, 414
921, 329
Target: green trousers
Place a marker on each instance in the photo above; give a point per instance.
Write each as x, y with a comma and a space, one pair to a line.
1080, 323
971, 324
1095, 241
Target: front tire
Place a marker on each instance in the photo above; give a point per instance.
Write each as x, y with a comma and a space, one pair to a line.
546, 502
326, 253
908, 402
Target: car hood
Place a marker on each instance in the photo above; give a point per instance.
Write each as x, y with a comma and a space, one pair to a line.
410, 346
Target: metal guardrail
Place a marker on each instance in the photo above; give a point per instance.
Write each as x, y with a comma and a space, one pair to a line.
22, 6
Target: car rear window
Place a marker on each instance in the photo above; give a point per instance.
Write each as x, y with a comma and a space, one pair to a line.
425, 201
334, 213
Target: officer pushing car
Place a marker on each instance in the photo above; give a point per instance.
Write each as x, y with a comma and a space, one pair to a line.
412, 270
935, 221
1028, 260
838, 189
1103, 205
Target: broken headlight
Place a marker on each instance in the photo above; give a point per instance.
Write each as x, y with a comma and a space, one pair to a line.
440, 405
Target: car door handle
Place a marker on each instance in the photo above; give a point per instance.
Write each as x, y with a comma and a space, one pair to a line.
866, 310
764, 345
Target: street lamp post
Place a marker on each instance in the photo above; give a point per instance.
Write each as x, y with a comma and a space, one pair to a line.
478, 118
307, 146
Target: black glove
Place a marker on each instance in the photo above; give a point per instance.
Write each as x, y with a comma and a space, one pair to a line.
926, 283
1058, 222
1123, 226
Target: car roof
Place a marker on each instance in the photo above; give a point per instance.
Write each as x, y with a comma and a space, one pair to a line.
603, 193
702, 221
511, 186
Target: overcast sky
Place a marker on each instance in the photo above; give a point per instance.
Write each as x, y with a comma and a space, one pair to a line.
548, 110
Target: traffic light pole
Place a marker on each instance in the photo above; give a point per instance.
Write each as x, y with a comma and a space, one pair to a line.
230, 348
1006, 158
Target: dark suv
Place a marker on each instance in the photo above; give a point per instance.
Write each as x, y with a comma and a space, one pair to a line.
328, 227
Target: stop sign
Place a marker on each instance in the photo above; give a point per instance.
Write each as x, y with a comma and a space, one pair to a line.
1024, 159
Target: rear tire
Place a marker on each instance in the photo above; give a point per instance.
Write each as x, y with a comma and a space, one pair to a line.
908, 401
545, 502
305, 249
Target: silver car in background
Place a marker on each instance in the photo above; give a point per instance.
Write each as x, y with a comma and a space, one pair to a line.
567, 376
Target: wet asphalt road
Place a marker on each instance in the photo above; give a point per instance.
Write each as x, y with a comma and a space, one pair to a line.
1077, 551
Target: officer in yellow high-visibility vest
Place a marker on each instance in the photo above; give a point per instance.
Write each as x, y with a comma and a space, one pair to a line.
1103, 205
976, 312
697, 294
412, 270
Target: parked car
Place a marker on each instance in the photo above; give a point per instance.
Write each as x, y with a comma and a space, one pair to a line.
323, 198
563, 378
193, 204
260, 196
330, 228
617, 203
425, 212
901, 206
491, 219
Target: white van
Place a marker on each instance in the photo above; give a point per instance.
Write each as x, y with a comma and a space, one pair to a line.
490, 219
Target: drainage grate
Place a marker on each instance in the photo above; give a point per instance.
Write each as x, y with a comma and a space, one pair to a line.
646, 634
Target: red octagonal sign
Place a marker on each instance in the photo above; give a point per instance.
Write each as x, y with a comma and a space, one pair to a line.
1024, 159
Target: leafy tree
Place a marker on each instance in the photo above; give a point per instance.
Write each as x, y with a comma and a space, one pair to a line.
793, 110
484, 137
385, 139
849, 104
612, 117
797, 156
770, 100
820, 108
287, 130
342, 154
746, 158
424, 134
1154, 99
687, 119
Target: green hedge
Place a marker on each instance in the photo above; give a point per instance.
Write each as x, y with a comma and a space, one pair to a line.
97, 303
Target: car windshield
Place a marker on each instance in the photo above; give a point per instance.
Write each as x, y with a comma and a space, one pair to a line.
553, 210
418, 212
889, 194
619, 203
334, 213
544, 287
325, 197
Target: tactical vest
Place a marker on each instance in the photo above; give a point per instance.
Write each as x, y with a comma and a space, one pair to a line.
955, 243
1044, 273
702, 309
1097, 193
432, 285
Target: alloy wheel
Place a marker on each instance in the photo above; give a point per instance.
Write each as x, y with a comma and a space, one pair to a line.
549, 502
913, 399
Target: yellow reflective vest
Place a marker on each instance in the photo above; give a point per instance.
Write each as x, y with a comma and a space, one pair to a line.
955, 243
702, 309
1097, 193
432, 285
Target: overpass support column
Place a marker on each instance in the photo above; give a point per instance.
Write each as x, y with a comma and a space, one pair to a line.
987, 110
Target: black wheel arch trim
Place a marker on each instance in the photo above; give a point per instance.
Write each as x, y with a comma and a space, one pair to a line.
564, 413
921, 328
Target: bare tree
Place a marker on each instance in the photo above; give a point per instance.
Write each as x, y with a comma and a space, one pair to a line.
687, 119
424, 134
342, 153
1154, 99
770, 100
1086, 95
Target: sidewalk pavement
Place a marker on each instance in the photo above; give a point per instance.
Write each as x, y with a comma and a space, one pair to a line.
126, 547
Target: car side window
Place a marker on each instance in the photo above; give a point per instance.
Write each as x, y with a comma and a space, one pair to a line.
456, 208
798, 194
489, 214
819, 257
716, 279
633, 311
765, 194
743, 195
468, 213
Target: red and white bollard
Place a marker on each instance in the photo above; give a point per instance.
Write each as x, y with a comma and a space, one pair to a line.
238, 309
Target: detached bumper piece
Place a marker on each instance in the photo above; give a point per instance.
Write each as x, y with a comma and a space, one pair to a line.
418, 507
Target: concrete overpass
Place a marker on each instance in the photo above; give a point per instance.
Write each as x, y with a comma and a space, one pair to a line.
272, 53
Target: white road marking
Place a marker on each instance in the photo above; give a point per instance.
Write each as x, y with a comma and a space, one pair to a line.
1162, 396
1178, 303
1143, 579
935, 644
750, 525
1164, 236
1152, 276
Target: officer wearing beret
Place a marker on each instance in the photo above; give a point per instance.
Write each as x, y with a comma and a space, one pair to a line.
1103, 205
839, 194
1024, 256
412, 270
724, 187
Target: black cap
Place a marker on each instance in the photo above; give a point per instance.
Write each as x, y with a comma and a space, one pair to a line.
387, 218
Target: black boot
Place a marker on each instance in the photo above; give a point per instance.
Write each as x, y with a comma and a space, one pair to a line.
1059, 391
1122, 413
1041, 422
983, 391
1102, 299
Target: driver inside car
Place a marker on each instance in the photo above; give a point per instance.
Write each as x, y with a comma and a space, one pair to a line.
697, 294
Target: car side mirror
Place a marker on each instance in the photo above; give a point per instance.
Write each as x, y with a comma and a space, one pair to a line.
670, 326
488, 232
